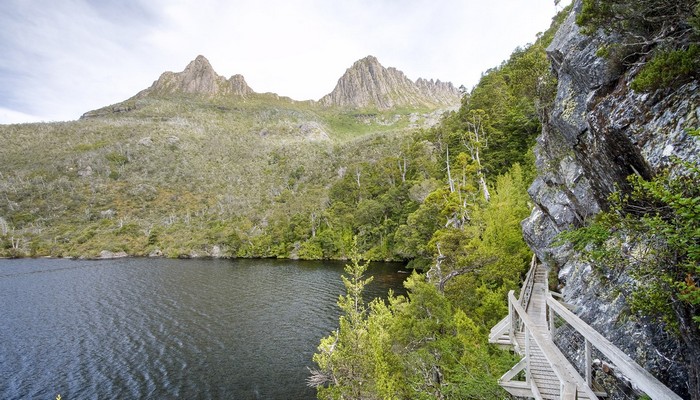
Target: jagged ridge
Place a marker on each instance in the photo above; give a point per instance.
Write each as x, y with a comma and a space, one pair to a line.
198, 78
369, 84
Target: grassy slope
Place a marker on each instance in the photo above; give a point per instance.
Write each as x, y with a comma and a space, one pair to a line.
168, 173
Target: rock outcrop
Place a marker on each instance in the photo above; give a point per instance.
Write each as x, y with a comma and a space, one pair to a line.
599, 132
368, 84
198, 78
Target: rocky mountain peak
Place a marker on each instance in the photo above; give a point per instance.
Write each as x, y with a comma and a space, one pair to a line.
198, 77
367, 83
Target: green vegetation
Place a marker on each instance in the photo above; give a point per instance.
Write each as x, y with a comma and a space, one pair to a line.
463, 190
187, 176
432, 343
668, 69
264, 176
653, 233
663, 35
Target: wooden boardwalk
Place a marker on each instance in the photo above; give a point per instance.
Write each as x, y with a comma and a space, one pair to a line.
544, 372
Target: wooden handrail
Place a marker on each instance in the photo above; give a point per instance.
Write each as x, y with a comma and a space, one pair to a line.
528, 284
500, 328
637, 375
560, 365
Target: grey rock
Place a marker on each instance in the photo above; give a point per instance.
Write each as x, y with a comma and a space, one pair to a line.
197, 78
85, 172
599, 132
107, 255
369, 84
108, 214
313, 131
155, 253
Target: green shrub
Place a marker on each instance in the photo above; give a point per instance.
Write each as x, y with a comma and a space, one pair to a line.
668, 68
117, 158
310, 250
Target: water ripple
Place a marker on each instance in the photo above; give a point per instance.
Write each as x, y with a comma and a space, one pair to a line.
139, 328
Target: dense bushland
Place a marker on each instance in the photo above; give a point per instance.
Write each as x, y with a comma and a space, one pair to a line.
464, 231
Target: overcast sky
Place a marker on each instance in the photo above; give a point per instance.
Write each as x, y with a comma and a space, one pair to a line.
61, 58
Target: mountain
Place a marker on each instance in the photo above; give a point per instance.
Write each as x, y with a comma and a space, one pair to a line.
198, 164
368, 84
198, 78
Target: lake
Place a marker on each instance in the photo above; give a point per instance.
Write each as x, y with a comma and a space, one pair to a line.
161, 328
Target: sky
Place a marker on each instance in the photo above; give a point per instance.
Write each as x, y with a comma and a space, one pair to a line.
62, 58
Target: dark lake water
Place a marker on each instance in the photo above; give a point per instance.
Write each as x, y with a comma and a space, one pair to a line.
162, 329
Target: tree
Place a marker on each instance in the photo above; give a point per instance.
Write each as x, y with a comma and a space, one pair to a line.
344, 370
476, 139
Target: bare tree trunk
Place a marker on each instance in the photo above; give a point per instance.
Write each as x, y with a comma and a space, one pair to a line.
475, 140
3, 226
313, 225
449, 175
403, 170
484, 188
15, 242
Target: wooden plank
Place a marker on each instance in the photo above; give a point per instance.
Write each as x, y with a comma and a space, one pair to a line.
517, 388
587, 362
500, 328
535, 390
638, 375
560, 365
508, 376
569, 392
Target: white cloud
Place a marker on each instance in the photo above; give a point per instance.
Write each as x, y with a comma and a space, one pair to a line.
16, 117
61, 59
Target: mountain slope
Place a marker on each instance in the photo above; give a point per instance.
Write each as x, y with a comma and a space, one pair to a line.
196, 164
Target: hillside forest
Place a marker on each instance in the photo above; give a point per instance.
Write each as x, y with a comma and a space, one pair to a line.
189, 176
466, 233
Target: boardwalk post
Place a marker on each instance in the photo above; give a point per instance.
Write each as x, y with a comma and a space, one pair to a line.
527, 354
589, 370
568, 391
511, 319
551, 322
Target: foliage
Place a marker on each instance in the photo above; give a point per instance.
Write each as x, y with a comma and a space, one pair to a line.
653, 233
432, 343
659, 223
342, 355
249, 178
668, 68
647, 19
662, 34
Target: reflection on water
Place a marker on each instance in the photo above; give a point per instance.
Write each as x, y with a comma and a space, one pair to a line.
155, 328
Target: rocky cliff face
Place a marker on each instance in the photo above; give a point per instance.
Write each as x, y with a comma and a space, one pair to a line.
599, 132
368, 84
198, 78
